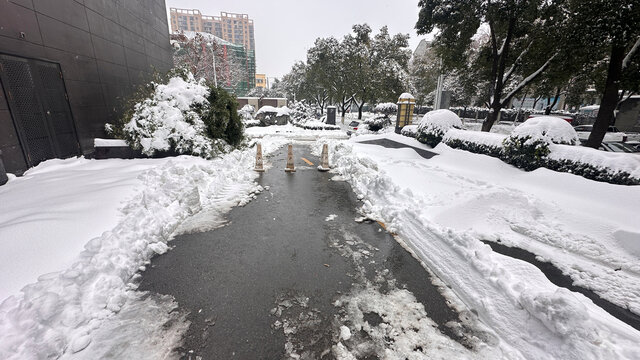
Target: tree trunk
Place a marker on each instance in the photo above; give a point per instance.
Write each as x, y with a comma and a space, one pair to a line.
547, 111
609, 98
360, 110
492, 116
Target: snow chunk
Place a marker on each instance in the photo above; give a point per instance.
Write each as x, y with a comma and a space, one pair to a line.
549, 129
331, 217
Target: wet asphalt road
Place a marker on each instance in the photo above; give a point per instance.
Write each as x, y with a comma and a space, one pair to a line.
279, 250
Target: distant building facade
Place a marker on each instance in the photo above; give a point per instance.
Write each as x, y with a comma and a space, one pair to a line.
66, 68
235, 28
261, 81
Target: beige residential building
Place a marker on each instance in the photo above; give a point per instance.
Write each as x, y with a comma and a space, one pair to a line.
261, 81
235, 28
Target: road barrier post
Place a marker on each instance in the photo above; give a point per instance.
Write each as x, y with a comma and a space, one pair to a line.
259, 163
324, 163
290, 167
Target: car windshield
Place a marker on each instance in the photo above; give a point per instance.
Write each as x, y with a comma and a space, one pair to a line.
354, 123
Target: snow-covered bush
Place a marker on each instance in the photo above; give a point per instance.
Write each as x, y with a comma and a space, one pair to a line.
410, 131
168, 121
435, 124
378, 122
180, 115
386, 108
475, 141
246, 113
614, 168
300, 111
528, 144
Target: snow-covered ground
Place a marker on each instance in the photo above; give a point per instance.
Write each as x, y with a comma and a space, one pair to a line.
443, 207
73, 235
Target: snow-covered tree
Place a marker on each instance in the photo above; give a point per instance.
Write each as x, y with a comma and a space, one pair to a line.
522, 42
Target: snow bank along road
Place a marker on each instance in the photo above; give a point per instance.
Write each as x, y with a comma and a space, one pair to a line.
294, 275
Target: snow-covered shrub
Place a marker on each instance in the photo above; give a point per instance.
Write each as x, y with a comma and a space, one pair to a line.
614, 168
221, 117
528, 144
246, 113
386, 108
167, 120
317, 125
475, 141
435, 124
180, 115
300, 111
378, 122
410, 131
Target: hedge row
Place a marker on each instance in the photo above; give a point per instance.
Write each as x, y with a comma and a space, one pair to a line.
530, 155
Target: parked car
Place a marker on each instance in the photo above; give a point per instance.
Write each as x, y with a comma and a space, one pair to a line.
353, 126
566, 118
613, 134
616, 146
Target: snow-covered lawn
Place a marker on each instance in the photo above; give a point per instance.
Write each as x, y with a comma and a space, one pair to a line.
443, 207
73, 234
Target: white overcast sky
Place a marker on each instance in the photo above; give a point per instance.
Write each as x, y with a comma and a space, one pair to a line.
285, 29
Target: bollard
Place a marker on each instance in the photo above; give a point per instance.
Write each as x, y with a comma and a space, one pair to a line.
290, 167
324, 165
259, 164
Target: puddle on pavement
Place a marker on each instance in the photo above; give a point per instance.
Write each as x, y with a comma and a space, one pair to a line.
277, 281
556, 276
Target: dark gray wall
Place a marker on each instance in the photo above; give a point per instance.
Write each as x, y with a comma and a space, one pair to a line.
104, 47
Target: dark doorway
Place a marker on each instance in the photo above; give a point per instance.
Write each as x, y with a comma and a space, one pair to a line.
39, 107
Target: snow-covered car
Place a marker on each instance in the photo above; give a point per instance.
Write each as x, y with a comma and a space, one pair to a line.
615, 146
613, 134
353, 126
566, 118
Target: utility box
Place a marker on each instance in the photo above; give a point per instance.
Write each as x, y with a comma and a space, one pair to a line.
406, 104
3, 172
331, 115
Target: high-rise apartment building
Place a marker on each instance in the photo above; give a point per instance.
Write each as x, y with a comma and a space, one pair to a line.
235, 28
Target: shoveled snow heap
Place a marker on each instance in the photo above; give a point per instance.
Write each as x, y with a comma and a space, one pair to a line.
66, 310
549, 129
439, 121
167, 117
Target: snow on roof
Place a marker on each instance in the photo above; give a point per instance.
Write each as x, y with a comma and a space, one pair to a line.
270, 109
406, 96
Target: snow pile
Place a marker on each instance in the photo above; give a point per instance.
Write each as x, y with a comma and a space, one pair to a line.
443, 225
168, 120
59, 313
548, 129
386, 108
